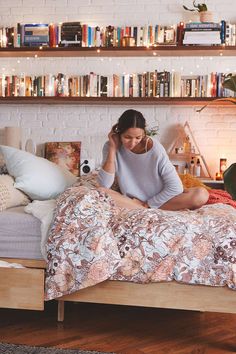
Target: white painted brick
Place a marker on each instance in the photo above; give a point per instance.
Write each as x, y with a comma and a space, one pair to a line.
217, 125
46, 18
21, 10
66, 11
12, 3
227, 133
232, 126
58, 3
42, 10
81, 3
214, 128
34, 3
40, 132
5, 11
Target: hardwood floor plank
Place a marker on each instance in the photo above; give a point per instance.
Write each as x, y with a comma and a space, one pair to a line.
122, 329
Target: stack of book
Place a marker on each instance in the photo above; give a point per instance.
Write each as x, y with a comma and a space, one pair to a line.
202, 33
71, 34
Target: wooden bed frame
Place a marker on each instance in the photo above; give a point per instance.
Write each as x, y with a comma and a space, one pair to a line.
24, 289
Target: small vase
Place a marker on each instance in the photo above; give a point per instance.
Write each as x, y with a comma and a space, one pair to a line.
206, 16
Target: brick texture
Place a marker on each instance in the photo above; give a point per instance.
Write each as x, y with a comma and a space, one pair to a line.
214, 128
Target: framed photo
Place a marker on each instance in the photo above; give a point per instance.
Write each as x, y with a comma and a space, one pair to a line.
65, 154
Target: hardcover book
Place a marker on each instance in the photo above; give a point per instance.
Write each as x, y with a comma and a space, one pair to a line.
36, 34
65, 154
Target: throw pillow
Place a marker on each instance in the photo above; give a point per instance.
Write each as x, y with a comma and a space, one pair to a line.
3, 169
35, 176
10, 196
4, 197
190, 181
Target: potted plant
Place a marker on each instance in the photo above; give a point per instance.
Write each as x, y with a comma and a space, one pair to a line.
204, 14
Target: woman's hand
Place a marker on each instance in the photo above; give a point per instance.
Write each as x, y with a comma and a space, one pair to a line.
140, 202
114, 140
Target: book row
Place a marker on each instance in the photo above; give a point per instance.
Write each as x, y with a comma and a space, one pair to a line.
81, 35
76, 34
148, 84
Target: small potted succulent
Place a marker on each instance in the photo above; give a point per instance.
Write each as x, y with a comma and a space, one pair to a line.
205, 15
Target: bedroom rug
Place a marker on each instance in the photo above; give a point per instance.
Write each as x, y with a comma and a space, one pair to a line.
23, 349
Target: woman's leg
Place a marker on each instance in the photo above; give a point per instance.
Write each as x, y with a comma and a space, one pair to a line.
191, 198
121, 200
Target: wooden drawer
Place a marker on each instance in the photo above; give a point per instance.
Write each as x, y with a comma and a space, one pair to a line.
22, 288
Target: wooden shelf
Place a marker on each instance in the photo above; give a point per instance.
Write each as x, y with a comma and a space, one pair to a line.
186, 101
160, 50
181, 155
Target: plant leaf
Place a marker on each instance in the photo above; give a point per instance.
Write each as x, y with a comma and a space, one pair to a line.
185, 8
224, 99
230, 83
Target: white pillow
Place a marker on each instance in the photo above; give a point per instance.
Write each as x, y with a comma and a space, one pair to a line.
35, 176
9, 195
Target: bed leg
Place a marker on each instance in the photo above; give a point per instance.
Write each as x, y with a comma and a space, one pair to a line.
60, 311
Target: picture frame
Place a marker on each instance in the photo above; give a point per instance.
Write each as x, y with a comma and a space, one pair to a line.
65, 154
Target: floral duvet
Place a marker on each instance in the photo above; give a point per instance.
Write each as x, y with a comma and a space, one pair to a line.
91, 240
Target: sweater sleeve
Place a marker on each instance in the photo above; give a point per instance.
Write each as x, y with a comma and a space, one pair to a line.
172, 185
105, 179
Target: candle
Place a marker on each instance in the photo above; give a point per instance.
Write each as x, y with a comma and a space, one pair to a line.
223, 166
218, 176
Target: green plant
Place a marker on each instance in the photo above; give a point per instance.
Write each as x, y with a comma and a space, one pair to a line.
197, 7
152, 131
229, 83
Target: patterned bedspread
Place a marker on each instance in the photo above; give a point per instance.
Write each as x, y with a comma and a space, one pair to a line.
91, 240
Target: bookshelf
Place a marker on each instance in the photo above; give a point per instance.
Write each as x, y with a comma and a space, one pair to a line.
159, 50
175, 101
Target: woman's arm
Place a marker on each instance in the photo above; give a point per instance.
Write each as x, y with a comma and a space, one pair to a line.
106, 175
172, 185
112, 147
109, 163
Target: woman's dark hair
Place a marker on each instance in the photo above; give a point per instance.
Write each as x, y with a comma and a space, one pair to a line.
130, 119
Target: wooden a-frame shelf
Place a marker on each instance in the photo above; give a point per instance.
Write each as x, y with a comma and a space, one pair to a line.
184, 101
160, 50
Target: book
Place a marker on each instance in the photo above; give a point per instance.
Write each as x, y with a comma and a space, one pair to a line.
35, 35
65, 154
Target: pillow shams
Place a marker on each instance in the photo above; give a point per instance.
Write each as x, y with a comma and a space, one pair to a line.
35, 176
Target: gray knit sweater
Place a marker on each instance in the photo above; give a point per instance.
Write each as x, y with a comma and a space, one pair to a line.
149, 177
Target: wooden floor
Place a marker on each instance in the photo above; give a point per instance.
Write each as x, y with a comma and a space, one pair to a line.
121, 329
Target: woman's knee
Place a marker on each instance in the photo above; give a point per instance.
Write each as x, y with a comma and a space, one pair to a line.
103, 189
200, 197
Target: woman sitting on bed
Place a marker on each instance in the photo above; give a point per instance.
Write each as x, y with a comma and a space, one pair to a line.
145, 175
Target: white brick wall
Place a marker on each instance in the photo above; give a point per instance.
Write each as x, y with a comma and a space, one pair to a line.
214, 128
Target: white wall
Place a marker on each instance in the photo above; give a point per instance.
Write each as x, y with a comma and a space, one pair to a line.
214, 128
